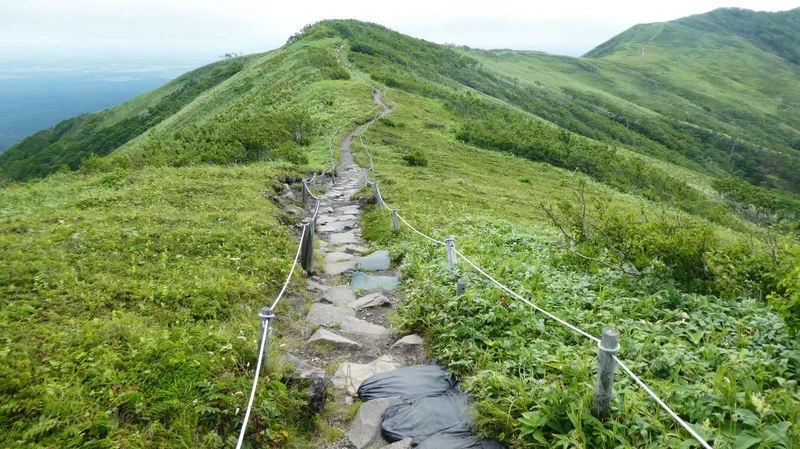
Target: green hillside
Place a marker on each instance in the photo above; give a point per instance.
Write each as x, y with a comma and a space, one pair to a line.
655, 190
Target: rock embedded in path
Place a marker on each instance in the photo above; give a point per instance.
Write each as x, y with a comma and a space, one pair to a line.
328, 337
350, 376
339, 296
377, 261
363, 281
343, 238
338, 268
410, 346
315, 378
353, 325
402, 444
338, 256
326, 314
355, 249
365, 430
371, 300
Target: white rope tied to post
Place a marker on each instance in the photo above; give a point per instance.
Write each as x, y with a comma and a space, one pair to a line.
666, 408
418, 232
255, 386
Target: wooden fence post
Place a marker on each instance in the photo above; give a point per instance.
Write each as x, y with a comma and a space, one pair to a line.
450, 242
604, 387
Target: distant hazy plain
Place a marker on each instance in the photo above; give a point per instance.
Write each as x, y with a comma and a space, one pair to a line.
37, 94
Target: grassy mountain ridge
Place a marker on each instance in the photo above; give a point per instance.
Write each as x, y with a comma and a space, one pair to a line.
129, 288
102, 132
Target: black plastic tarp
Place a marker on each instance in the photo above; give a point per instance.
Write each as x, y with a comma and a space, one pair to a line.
429, 407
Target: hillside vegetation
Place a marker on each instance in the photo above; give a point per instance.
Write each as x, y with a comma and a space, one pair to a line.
652, 191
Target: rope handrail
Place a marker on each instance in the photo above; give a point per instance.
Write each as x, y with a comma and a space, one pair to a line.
663, 405
526, 301
625, 368
264, 340
252, 390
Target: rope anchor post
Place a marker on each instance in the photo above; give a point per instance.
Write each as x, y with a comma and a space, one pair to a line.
461, 286
323, 179
450, 243
307, 252
366, 178
266, 315
378, 194
395, 221
305, 192
604, 387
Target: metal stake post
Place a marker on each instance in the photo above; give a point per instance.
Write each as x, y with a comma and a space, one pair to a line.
450, 242
395, 221
461, 286
378, 194
266, 314
604, 387
308, 251
305, 192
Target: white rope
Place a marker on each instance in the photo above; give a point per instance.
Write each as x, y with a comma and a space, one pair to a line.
674, 415
291, 271
255, 383
514, 294
418, 232
539, 309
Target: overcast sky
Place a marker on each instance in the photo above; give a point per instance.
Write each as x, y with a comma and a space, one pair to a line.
203, 29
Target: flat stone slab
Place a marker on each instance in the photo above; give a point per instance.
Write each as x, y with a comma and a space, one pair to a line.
346, 217
357, 326
377, 261
402, 444
339, 296
371, 300
338, 256
337, 268
355, 249
328, 337
324, 218
353, 210
365, 430
326, 314
343, 238
350, 376
303, 369
410, 344
336, 226
363, 281
313, 285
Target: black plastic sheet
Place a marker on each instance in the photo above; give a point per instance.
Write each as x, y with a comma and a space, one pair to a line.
429, 407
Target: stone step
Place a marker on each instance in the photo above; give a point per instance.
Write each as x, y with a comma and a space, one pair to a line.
338, 256
363, 281
377, 261
343, 238
350, 376
339, 296
328, 337
337, 268
368, 301
326, 314
365, 430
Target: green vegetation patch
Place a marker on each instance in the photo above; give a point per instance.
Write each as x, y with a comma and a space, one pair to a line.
127, 309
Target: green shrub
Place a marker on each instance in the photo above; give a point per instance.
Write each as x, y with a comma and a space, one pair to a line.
290, 153
416, 158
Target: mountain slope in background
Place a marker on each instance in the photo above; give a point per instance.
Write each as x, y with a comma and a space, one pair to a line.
100, 133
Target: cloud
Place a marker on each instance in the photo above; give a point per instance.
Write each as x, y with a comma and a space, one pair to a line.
190, 28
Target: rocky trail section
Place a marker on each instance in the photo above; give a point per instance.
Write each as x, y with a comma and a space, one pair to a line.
353, 291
